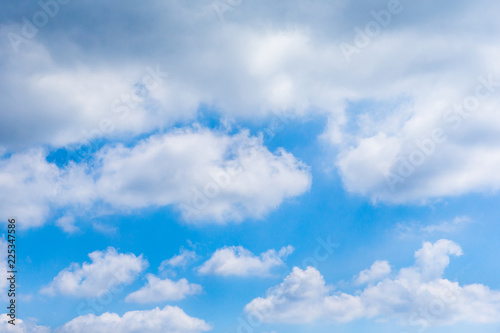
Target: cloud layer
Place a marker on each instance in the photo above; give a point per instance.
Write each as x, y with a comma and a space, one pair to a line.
410, 117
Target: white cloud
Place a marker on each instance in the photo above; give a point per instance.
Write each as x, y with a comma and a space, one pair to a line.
302, 289
377, 271
207, 175
21, 326
422, 143
169, 319
67, 224
158, 290
416, 295
432, 259
264, 77
107, 270
238, 261
180, 260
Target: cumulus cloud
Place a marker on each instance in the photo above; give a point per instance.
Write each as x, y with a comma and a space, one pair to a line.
416, 295
378, 270
21, 326
107, 269
158, 290
430, 145
169, 319
238, 261
206, 175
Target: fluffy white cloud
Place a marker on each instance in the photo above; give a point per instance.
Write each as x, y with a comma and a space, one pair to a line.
431, 162
302, 289
169, 319
416, 295
206, 175
238, 261
378, 270
107, 270
20, 326
158, 290
427, 140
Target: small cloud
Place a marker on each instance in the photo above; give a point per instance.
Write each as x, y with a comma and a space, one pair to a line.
457, 224
182, 259
104, 228
67, 224
108, 269
238, 261
416, 228
157, 290
376, 272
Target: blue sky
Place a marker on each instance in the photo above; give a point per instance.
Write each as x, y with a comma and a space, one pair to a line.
247, 166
